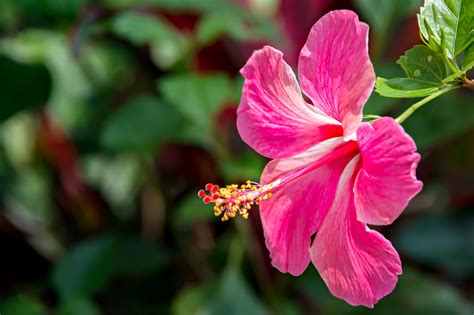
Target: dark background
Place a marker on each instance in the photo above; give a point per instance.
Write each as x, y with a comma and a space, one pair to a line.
115, 112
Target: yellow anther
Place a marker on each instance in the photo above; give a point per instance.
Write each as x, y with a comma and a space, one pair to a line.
235, 199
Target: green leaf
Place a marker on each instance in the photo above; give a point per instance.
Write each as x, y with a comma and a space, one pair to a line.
377, 104
404, 87
137, 257
425, 72
421, 63
119, 178
468, 58
190, 300
197, 97
167, 44
233, 285
141, 124
441, 240
30, 194
238, 25
90, 266
446, 25
78, 306
415, 293
9, 14
213, 26
16, 93
194, 301
70, 87
174, 5
86, 269
21, 305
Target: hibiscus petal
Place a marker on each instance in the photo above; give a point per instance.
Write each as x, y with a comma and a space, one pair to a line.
273, 117
387, 181
357, 264
296, 209
334, 67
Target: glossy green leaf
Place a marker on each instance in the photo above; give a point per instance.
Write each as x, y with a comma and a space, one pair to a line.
425, 71
141, 124
468, 58
421, 63
446, 25
16, 93
404, 87
439, 240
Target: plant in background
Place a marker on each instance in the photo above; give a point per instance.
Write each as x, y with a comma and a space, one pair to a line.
332, 174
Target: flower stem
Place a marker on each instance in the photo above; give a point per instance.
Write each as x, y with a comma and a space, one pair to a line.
410, 110
452, 65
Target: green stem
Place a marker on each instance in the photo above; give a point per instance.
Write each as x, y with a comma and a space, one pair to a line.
452, 65
410, 110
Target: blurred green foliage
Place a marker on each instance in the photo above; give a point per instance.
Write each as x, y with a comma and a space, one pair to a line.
115, 112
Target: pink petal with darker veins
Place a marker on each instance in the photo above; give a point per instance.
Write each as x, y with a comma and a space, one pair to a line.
296, 209
273, 117
334, 67
357, 264
387, 180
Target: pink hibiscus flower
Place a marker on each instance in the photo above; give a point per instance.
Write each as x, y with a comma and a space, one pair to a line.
331, 174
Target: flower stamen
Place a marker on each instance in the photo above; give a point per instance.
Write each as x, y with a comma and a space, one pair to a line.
232, 199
